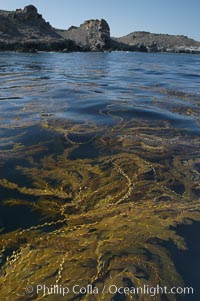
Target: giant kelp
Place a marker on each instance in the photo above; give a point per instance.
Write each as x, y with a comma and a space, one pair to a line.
105, 218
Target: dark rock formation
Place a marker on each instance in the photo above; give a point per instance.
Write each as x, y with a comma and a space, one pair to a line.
26, 30
27, 23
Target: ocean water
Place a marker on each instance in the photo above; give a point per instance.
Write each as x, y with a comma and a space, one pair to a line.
105, 105
85, 86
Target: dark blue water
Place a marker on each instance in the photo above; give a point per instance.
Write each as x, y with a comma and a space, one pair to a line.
98, 90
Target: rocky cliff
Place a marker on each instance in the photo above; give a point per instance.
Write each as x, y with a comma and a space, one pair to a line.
26, 23
91, 35
26, 30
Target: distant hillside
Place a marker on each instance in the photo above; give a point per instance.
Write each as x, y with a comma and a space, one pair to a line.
26, 30
159, 42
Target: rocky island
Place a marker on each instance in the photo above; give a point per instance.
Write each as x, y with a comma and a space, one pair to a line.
26, 30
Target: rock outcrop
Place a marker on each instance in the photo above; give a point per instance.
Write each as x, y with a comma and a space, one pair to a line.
26, 23
92, 35
26, 30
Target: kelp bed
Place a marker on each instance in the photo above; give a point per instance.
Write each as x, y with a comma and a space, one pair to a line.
109, 198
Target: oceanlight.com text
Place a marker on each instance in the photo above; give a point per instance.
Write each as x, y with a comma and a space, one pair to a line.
55, 289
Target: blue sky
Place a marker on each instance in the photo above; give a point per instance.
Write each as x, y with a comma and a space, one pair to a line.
123, 16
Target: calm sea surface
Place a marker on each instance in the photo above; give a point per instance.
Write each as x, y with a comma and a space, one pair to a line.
85, 86
49, 100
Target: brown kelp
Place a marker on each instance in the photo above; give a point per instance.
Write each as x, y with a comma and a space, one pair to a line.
105, 217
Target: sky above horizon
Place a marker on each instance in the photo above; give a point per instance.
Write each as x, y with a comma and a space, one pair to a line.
123, 16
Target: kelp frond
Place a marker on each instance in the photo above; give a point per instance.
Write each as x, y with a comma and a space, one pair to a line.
107, 218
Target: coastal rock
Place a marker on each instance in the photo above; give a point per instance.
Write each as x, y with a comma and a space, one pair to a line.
26, 30
28, 23
92, 35
30, 10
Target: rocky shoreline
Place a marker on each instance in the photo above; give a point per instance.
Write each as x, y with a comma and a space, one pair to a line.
25, 30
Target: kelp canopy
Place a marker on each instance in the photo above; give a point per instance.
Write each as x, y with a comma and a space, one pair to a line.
99, 162
108, 199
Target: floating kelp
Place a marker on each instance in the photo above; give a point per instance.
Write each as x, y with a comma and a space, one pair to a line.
104, 219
